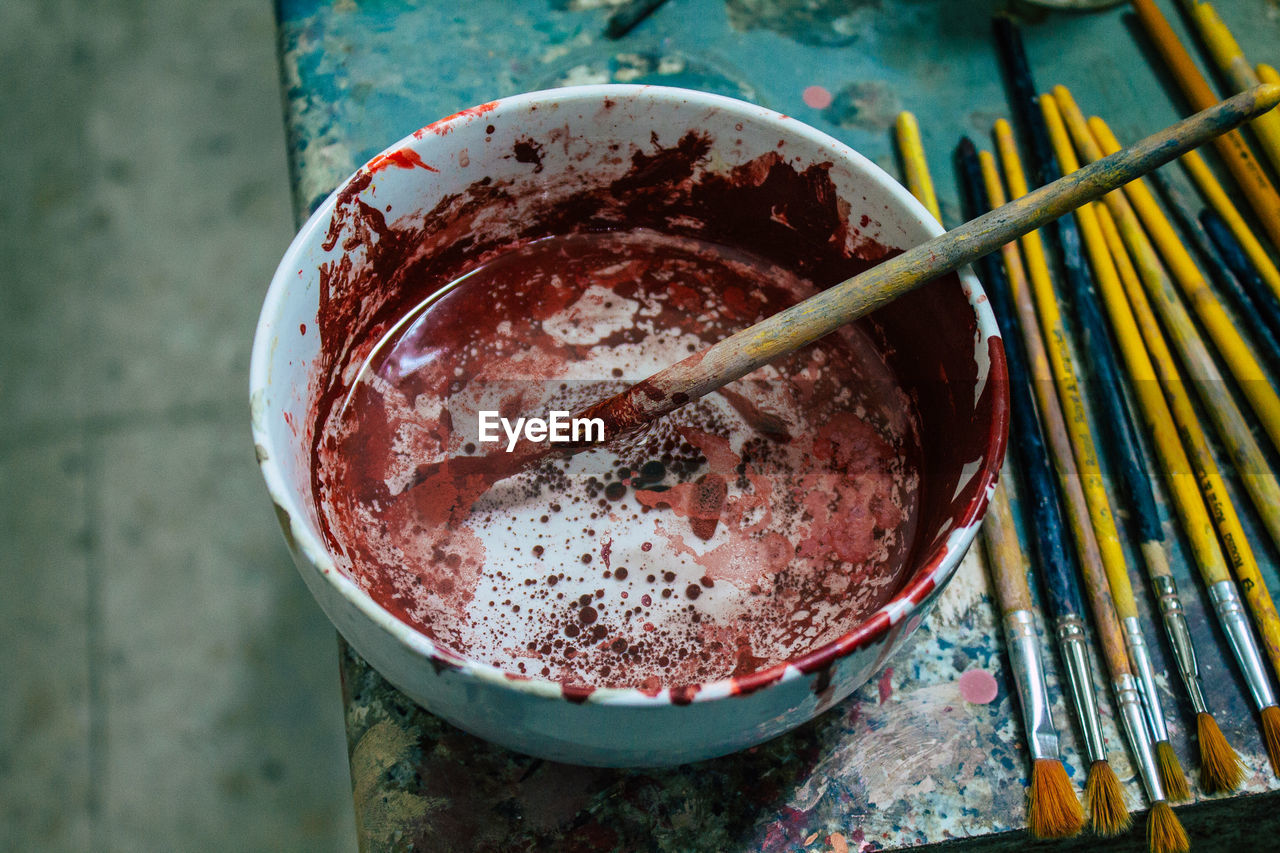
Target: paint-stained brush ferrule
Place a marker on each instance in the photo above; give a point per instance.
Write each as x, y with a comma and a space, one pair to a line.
1079, 680
1134, 721
1235, 624
1179, 633
1028, 677
1145, 673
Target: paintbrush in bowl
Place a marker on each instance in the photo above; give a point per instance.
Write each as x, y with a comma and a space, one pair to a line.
780, 334
821, 314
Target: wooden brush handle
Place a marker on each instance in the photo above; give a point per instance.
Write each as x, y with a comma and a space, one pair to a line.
1231, 61
823, 313
916, 168
1004, 554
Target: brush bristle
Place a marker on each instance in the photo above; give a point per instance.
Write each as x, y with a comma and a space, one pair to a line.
1052, 808
1108, 813
1164, 831
1220, 767
1171, 775
1271, 735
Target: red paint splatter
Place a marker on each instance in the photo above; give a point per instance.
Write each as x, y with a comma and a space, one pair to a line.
818, 97
445, 125
404, 158
978, 686
684, 694
709, 494
886, 685
576, 693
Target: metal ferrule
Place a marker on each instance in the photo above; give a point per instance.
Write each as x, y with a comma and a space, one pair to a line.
1033, 689
1184, 653
1079, 679
1235, 624
1140, 660
1134, 720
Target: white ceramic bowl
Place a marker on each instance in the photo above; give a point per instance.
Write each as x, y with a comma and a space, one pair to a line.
539, 149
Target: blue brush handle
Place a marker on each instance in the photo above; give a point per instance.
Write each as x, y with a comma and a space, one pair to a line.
1121, 436
1254, 299
1054, 556
1226, 274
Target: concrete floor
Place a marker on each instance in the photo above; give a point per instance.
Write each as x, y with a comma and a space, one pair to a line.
168, 683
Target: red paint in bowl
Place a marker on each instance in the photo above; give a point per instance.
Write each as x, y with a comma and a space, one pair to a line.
545, 200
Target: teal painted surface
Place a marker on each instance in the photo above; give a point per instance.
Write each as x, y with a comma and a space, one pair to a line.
906, 761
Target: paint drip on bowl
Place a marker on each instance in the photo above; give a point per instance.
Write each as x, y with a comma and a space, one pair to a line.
747, 528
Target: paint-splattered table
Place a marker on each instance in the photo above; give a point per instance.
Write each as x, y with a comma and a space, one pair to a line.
911, 759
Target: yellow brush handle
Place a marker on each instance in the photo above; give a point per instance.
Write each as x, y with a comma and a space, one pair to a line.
1255, 471
1055, 428
1070, 396
1136, 261
1187, 494
1231, 61
1235, 351
919, 181
1226, 208
1097, 589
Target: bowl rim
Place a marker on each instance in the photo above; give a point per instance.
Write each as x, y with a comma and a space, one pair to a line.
925, 580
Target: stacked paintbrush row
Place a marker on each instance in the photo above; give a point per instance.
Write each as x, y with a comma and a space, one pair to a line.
1138, 304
